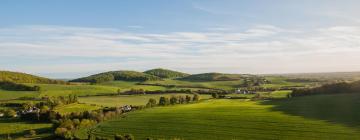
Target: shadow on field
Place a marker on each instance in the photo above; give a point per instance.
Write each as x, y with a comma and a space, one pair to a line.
25, 133
341, 108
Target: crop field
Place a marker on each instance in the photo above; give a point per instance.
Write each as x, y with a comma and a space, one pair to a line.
322, 117
121, 100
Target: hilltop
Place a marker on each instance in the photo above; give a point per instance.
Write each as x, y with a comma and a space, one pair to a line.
166, 73
18, 77
117, 75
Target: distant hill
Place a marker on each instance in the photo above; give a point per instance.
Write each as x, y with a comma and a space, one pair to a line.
214, 77
18, 77
165, 73
117, 75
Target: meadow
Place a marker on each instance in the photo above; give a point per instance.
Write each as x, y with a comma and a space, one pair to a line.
16, 128
297, 118
121, 100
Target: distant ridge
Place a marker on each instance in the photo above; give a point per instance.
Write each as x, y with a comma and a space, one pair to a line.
124, 75
18, 77
166, 73
214, 77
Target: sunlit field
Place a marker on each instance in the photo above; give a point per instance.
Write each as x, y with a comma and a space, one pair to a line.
239, 119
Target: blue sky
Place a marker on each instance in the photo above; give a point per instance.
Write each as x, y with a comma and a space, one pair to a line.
73, 38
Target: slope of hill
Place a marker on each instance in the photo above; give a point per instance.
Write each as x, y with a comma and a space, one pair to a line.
117, 75
165, 73
18, 77
214, 77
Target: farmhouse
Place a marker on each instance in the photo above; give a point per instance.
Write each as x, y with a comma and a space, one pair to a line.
31, 110
126, 108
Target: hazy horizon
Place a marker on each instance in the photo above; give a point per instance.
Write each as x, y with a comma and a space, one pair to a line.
70, 39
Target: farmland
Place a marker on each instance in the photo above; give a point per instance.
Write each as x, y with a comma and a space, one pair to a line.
239, 119
121, 100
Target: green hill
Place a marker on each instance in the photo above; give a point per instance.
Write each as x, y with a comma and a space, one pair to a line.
214, 77
165, 73
117, 75
18, 77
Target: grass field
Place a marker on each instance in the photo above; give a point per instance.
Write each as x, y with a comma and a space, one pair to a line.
16, 128
65, 109
322, 117
121, 100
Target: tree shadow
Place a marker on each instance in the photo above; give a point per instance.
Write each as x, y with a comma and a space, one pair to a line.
341, 108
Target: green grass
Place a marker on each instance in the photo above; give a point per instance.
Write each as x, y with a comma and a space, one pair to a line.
7, 95
238, 119
66, 109
17, 128
121, 100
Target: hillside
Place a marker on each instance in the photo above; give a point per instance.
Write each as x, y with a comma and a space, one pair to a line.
165, 73
117, 75
18, 77
214, 77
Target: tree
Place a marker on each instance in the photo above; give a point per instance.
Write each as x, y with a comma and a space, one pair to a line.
163, 101
173, 100
215, 95
187, 99
196, 97
151, 103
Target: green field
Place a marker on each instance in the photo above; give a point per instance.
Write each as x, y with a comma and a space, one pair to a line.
16, 128
80, 90
121, 100
66, 109
312, 117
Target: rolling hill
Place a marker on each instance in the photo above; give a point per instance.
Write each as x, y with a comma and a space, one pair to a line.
18, 77
116, 76
165, 73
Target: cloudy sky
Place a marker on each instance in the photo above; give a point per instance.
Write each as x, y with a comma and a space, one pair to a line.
68, 39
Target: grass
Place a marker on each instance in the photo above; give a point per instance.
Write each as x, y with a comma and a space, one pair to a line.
238, 119
76, 107
16, 128
122, 100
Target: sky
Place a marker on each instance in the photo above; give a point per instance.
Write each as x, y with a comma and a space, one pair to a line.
75, 38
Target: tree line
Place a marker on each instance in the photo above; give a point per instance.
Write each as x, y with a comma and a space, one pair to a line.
334, 88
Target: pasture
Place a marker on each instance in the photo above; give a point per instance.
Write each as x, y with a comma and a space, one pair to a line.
69, 108
120, 100
298, 118
16, 128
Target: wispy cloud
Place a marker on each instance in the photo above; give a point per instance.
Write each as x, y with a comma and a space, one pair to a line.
260, 49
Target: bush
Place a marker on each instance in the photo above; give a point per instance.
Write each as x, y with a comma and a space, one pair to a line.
10, 113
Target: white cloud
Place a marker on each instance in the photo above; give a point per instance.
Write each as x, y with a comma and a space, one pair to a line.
261, 49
